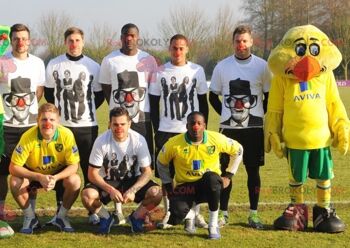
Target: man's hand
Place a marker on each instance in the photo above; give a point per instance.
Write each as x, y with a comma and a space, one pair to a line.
225, 182
115, 195
48, 182
129, 195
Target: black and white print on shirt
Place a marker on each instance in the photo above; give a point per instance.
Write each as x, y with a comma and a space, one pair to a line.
114, 171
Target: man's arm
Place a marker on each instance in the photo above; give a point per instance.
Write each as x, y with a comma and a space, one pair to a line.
107, 88
203, 106
99, 98
215, 102
96, 179
146, 174
66, 172
154, 104
39, 92
21, 172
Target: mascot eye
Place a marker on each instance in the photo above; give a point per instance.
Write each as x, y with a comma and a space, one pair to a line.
300, 49
314, 49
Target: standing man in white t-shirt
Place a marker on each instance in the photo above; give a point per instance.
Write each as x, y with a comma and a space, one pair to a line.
125, 77
243, 81
191, 91
120, 171
21, 86
73, 78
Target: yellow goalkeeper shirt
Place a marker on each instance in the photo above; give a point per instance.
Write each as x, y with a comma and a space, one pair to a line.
192, 161
46, 157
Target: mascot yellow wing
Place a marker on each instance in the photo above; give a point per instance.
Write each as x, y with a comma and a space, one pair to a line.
304, 109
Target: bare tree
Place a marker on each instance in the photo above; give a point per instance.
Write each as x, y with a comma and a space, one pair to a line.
102, 40
189, 20
52, 26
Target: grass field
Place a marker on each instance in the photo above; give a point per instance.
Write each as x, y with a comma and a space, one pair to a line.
273, 200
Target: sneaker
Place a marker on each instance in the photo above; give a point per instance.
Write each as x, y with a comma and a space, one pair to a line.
190, 226
119, 219
29, 224
222, 220
94, 219
326, 220
254, 221
63, 224
105, 225
200, 222
214, 232
136, 224
164, 223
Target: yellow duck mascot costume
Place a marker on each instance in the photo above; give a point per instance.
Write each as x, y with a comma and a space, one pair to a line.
5, 230
305, 116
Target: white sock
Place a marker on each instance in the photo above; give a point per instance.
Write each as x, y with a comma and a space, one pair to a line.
32, 203
224, 212
253, 211
103, 213
62, 212
213, 218
29, 212
197, 209
191, 214
118, 207
166, 203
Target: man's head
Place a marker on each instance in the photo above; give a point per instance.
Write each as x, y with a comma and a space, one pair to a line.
48, 120
129, 38
242, 41
195, 126
20, 40
178, 49
119, 123
74, 41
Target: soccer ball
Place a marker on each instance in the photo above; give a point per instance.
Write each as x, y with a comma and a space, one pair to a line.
5, 230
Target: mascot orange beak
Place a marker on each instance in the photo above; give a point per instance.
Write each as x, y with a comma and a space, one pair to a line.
306, 68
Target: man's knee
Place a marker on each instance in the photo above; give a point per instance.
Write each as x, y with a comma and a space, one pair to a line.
179, 210
212, 180
72, 182
16, 183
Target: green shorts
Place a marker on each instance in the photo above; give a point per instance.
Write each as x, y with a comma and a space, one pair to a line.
315, 163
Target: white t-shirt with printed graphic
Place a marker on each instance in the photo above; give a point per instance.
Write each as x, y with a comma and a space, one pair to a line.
178, 85
143, 65
256, 73
74, 92
19, 80
119, 160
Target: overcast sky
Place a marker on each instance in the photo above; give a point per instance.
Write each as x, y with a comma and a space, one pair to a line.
115, 13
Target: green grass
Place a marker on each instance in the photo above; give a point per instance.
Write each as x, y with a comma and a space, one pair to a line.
274, 197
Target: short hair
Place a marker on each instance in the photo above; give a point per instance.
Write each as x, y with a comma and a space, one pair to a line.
118, 111
48, 107
73, 30
128, 26
190, 115
178, 37
18, 27
242, 29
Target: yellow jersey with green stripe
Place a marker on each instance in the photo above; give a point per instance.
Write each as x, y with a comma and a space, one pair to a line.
191, 161
46, 157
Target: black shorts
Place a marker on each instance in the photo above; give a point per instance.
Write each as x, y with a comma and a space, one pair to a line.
160, 138
12, 135
145, 129
85, 138
123, 187
252, 140
35, 185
